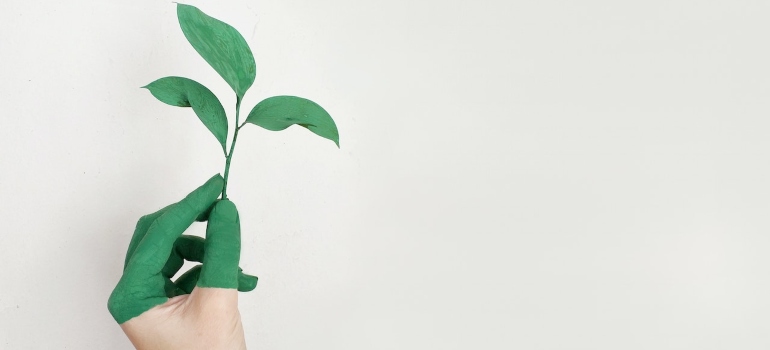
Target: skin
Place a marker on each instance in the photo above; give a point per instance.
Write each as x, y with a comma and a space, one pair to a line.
208, 318
200, 309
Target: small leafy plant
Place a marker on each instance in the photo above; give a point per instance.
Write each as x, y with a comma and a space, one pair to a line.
225, 50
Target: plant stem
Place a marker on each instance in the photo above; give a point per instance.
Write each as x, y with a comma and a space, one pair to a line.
229, 156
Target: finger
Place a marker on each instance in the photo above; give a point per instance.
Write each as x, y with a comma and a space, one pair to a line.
204, 216
246, 282
172, 290
186, 247
191, 248
141, 229
144, 223
222, 248
155, 248
186, 283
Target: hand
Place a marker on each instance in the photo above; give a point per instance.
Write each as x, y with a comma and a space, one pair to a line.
200, 309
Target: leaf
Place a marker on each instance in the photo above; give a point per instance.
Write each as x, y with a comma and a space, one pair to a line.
183, 92
220, 45
280, 112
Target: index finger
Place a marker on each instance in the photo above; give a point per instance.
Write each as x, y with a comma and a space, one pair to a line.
154, 249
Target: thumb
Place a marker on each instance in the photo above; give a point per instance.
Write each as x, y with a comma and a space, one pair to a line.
222, 249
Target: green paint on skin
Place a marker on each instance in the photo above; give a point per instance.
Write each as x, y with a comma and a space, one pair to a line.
222, 248
158, 250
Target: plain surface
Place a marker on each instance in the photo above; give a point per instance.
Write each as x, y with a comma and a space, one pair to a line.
513, 174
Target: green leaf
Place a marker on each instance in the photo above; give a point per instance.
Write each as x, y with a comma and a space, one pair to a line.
183, 92
220, 45
280, 112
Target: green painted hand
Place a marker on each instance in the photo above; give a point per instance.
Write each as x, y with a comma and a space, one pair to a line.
150, 306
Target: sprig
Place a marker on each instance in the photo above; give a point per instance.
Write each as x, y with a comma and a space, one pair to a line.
225, 50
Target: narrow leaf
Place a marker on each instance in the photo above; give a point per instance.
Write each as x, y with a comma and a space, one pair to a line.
280, 112
183, 92
220, 45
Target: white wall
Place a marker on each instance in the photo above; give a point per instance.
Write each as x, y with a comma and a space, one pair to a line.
513, 174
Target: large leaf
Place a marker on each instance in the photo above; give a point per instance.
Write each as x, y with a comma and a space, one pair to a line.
183, 92
280, 112
220, 45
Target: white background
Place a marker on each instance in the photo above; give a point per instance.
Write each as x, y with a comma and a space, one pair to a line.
513, 174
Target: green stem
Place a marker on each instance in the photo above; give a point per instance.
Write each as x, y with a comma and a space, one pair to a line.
229, 156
